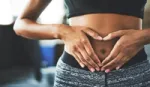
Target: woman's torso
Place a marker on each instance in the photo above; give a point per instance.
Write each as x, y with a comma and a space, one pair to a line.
104, 24
104, 17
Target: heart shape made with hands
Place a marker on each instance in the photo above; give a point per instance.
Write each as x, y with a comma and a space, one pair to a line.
128, 45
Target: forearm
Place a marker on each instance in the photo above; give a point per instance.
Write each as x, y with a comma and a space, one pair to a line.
26, 25
30, 29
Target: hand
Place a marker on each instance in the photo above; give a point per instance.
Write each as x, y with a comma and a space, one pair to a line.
129, 44
77, 44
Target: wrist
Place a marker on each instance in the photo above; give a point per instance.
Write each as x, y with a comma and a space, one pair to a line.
57, 30
145, 36
62, 30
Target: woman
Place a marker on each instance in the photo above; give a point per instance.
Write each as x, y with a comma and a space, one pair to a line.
103, 42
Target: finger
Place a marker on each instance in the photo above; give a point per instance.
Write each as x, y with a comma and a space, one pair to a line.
114, 63
92, 33
78, 60
80, 57
118, 67
115, 34
115, 51
91, 53
125, 59
88, 58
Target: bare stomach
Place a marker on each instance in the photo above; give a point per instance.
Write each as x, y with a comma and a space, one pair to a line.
104, 24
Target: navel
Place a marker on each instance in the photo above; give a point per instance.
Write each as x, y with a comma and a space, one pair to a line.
103, 51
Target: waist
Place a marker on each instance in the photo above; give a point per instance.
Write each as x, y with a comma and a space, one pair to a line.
104, 24
70, 60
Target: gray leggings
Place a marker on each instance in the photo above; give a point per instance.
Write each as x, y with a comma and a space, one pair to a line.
137, 75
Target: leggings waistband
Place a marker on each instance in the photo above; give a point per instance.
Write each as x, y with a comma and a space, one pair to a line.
70, 60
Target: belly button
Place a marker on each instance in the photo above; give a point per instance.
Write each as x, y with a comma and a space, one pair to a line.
103, 51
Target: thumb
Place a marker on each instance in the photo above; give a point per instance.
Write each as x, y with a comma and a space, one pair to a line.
92, 33
114, 35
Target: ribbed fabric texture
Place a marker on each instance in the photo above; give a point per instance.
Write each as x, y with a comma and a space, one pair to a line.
137, 75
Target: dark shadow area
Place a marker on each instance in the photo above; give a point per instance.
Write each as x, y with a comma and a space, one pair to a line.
20, 59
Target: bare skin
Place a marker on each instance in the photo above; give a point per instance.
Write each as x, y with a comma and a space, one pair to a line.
105, 24
83, 38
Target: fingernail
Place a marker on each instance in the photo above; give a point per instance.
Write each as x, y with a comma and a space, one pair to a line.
105, 38
82, 65
92, 69
99, 38
97, 69
117, 68
107, 70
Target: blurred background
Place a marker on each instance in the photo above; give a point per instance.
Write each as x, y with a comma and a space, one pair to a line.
31, 63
